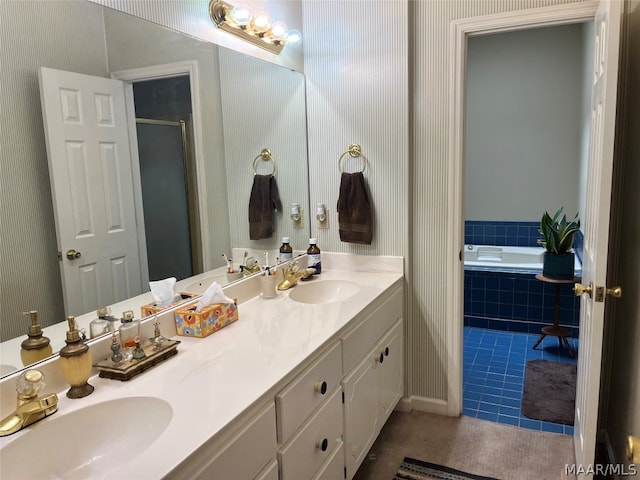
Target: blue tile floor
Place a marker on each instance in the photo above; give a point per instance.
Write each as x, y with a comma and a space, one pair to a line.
493, 375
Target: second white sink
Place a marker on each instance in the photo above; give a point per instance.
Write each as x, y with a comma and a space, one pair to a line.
323, 291
86, 443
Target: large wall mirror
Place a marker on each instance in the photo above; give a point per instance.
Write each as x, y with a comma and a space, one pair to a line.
233, 107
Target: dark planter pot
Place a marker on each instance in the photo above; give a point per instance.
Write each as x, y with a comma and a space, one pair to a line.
558, 267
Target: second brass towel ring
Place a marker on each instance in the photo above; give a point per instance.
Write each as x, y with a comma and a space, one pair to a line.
354, 151
266, 156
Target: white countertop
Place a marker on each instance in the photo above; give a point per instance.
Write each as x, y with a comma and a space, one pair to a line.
213, 380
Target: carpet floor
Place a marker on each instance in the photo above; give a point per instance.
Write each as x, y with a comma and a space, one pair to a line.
468, 444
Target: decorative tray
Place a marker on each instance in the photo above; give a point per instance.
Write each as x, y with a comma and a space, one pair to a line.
126, 369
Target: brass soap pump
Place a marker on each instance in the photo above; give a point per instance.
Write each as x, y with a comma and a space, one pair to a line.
36, 347
76, 362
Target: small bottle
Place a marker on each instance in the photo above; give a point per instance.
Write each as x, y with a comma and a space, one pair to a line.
286, 252
99, 326
36, 347
313, 256
129, 333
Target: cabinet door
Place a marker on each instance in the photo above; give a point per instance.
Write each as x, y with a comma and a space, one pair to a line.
391, 370
361, 411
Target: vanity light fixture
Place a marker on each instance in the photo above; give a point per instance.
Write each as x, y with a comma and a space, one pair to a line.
256, 29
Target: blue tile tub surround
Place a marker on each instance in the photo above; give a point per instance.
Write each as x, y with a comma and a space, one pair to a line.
516, 302
493, 376
510, 234
513, 234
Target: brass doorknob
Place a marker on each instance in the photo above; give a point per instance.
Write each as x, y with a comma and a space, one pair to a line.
633, 449
72, 254
579, 289
615, 292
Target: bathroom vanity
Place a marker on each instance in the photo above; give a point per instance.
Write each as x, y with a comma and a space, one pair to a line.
292, 390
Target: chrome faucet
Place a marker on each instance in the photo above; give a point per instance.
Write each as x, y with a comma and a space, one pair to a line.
292, 273
31, 407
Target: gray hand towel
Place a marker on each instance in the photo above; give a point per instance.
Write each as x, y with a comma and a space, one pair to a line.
354, 210
263, 201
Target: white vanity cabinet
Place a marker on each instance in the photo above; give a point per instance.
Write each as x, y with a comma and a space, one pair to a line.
309, 419
373, 386
248, 452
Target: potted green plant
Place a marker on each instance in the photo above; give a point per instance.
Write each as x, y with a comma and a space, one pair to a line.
558, 233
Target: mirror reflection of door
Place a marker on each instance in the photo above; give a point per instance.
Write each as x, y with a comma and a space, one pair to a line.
87, 139
168, 176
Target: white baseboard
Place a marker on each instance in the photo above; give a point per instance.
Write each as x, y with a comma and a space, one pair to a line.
423, 404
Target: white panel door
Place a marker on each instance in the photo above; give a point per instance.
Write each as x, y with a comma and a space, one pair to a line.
596, 229
92, 187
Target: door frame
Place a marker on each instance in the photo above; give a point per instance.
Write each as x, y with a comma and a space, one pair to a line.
458, 33
154, 72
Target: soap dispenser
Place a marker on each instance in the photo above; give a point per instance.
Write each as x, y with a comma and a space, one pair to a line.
36, 347
76, 362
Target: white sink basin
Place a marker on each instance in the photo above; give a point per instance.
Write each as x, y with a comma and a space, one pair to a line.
323, 291
86, 443
201, 285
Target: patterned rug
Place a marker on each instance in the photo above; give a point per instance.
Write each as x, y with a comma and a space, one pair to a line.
412, 469
549, 392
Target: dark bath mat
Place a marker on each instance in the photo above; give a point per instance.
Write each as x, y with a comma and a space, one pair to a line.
549, 391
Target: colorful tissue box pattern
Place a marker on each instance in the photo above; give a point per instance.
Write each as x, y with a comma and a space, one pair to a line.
151, 308
190, 323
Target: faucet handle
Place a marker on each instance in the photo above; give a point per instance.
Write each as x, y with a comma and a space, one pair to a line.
29, 384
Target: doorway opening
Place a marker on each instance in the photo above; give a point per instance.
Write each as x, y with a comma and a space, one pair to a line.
168, 177
526, 144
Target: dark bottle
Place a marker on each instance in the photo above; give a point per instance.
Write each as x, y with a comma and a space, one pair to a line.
286, 252
313, 256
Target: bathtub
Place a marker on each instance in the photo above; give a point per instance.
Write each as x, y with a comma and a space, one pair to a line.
508, 259
501, 291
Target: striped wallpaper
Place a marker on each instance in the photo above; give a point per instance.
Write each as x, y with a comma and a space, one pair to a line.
377, 75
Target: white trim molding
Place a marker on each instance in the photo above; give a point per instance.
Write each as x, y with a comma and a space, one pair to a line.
459, 31
176, 69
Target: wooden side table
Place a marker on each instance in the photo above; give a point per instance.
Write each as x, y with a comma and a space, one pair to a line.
556, 330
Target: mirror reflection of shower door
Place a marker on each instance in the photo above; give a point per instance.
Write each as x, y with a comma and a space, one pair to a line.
172, 235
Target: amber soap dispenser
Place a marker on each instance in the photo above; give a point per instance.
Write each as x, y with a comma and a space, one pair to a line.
76, 362
36, 347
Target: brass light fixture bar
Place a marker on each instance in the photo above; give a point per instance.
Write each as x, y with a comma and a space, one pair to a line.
272, 38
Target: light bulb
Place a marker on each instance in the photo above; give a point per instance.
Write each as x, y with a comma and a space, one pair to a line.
241, 15
294, 38
278, 31
261, 22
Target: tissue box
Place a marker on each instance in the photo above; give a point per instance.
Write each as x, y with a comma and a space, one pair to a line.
190, 323
151, 308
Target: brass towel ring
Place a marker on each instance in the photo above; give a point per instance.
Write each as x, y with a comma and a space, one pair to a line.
265, 155
354, 151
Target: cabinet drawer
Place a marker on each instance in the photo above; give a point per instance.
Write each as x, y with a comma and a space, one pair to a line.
357, 343
312, 446
270, 472
247, 453
334, 468
303, 395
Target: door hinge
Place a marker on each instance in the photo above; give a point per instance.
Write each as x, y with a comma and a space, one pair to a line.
345, 472
342, 397
460, 256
